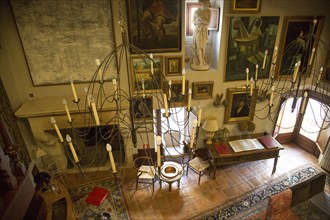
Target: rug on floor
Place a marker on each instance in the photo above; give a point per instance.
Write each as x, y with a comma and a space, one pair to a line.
256, 200
114, 204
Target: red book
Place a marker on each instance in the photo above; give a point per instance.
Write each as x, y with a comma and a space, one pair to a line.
97, 196
269, 142
223, 148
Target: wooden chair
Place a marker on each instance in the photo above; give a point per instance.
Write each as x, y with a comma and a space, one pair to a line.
144, 164
173, 147
199, 164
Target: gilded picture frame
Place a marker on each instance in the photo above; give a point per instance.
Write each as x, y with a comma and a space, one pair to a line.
296, 28
214, 21
176, 99
245, 6
173, 65
202, 90
155, 26
240, 106
141, 72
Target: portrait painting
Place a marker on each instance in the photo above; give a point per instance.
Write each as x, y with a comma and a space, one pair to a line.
202, 90
173, 65
295, 34
240, 106
250, 40
141, 73
142, 108
155, 26
245, 6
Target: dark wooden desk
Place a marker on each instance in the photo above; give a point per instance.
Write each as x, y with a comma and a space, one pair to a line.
241, 157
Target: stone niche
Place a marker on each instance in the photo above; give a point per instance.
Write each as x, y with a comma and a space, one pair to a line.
90, 148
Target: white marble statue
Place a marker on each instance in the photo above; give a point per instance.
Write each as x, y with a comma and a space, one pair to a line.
201, 20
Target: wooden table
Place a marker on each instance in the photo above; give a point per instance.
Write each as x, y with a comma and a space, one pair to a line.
241, 157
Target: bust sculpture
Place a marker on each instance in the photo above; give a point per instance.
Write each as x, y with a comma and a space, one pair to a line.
201, 21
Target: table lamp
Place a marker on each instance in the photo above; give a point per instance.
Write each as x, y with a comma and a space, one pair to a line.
210, 126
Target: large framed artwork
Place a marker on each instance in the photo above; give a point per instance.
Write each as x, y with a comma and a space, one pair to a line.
62, 39
240, 106
214, 21
245, 6
250, 39
296, 32
155, 26
141, 73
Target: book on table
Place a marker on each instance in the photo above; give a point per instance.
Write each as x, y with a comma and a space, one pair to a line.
246, 145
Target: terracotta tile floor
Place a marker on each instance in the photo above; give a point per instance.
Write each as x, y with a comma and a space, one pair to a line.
191, 199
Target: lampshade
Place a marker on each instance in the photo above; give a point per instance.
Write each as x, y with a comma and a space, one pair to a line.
210, 124
40, 153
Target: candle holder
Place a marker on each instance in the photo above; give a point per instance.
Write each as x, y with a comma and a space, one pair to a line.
169, 114
74, 101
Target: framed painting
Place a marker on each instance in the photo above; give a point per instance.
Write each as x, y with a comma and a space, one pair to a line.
214, 21
293, 47
174, 94
240, 106
173, 65
155, 26
326, 77
245, 6
54, 40
250, 39
141, 73
142, 108
202, 90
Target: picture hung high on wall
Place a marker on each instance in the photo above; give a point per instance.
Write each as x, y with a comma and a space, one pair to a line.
240, 106
245, 6
173, 65
155, 26
174, 94
296, 32
250, 40
141, 73
56, 44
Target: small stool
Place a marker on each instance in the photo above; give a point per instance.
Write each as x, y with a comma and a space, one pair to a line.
96, 197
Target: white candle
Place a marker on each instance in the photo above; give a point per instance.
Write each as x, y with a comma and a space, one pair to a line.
320, 74
74, 91
165, 105
193, 131
256, 76
189, 98
73, 151
151, 64
251, 86
114, 82
112, 161
183, 81
265, 58
96, 116
302, 109
271, 97
247, 76
98, 63
199, 116
275, 54
295, 73
67, 110
169, 89
158, 143
52, 120
312, 57
87, 97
